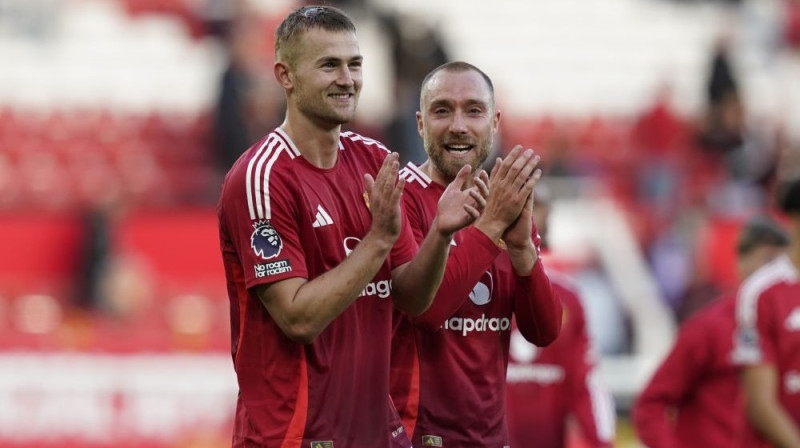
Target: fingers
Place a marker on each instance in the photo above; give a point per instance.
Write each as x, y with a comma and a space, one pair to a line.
398, 191
369, 183
496, 168
526, 170
484, 177
522, 167
385, 191
462, 177
516, 168
472, 212
505, 164
529, 202
478, 197
530, 182
387, 175
385, 187
482, 183
386, 180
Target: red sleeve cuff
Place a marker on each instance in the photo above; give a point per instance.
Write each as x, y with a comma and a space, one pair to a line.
536, 273
480, 241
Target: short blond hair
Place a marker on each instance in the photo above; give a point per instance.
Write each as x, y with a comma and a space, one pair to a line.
303, 19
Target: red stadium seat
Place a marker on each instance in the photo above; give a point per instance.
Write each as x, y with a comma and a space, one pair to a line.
180, 245
40, 253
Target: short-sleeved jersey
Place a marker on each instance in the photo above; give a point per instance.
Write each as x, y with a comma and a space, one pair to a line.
448, 381
546, 385
700, 380
281, 217
768, 332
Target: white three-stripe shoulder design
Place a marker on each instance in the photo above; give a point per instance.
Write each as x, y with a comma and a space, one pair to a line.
258, 172
367, 141
411, 173
779, 270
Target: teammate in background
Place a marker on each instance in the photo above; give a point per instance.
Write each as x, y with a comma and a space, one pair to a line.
768, 335
545, 386
317, 254
694, 399
449, 363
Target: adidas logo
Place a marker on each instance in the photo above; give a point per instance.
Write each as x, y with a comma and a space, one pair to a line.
323, 218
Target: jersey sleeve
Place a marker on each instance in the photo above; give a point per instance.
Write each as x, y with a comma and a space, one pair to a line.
537, 307
753, 344
466, 263
263, 229
674, 379
406, 245
414, 214
591, 403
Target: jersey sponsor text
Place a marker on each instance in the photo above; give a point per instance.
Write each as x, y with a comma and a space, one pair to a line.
466, 325
544, 374
381, 288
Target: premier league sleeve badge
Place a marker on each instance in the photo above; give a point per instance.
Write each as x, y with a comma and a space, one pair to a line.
265, 241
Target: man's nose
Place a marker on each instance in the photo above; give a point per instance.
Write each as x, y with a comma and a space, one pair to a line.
458, 125
345, 77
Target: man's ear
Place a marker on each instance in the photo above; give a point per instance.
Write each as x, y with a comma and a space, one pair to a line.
420, 124
283, 74
496, 122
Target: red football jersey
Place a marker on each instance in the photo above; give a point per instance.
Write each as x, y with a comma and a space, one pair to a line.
448, 366
282, 217
547, 385
768, 332
700, 381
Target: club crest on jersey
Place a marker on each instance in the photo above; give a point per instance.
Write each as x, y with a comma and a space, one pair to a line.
482, 291
322, 444
265, 241
350, 243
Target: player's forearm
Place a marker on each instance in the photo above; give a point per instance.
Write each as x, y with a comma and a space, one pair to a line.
537, 307
305, 312
769, 418
415, 284
764, 411
523, 258
491, 226
466, 263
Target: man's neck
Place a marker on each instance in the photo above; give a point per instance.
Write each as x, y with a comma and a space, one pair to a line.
319, 146
437, 176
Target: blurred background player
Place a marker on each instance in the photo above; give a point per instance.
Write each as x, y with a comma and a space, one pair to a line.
449, 363
546, 386
768, 335
694, 398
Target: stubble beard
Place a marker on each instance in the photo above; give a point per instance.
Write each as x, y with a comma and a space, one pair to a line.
450, 167
322, 111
